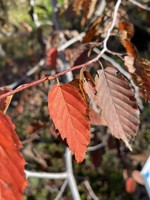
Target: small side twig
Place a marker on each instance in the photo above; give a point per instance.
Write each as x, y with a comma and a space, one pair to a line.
46, 175
62, 189
95, 147
90, 190
71, 179
140, 5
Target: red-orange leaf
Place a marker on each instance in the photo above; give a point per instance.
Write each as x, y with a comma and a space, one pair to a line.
12, 177
130, 185
68, 112
52, 56
119, 107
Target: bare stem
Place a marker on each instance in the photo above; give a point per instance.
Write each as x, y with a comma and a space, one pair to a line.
25, 86
140, 5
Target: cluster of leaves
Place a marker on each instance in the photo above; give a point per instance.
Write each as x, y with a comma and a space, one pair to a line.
71, 105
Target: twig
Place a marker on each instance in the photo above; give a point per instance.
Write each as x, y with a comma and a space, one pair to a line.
101, 7
34, 15
59, 175
75, 67
38, 66
71, 41
90, 190
71, 179
112, 25
62, 189
140, 5
95, 147
54, 14
66, 77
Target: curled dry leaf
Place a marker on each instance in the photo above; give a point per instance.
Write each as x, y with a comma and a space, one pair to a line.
4, 103
68, 111
126, 34
78, 84
88, 84
139, 69
85, 11
12, 177
77, 6
116, 99
88, 8
93, 30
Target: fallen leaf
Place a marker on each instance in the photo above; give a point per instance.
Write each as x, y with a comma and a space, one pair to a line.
130, 185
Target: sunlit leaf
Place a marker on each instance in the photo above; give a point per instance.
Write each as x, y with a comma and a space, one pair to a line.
12, 177
68, 111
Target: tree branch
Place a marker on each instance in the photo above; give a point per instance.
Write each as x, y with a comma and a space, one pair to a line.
90, 190
75, 67
140, 5
71, 179
59, 175
62, 189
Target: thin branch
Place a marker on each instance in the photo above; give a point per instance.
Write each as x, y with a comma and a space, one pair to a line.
71, 179
75, 67
59, 175
34, 15
95, 147
71, 41
40, 64
61, 191
37, 67
90, 190
54, 14
140, 5
112, 25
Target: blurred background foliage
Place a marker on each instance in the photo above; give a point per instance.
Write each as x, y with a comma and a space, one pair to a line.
22, 45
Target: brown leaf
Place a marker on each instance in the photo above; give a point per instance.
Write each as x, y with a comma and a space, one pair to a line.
12, 177
86, 7
88, 84
93, 30
77, 6
68, 111
78, 84
4, 103
139, 69
119, 107
126, 34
